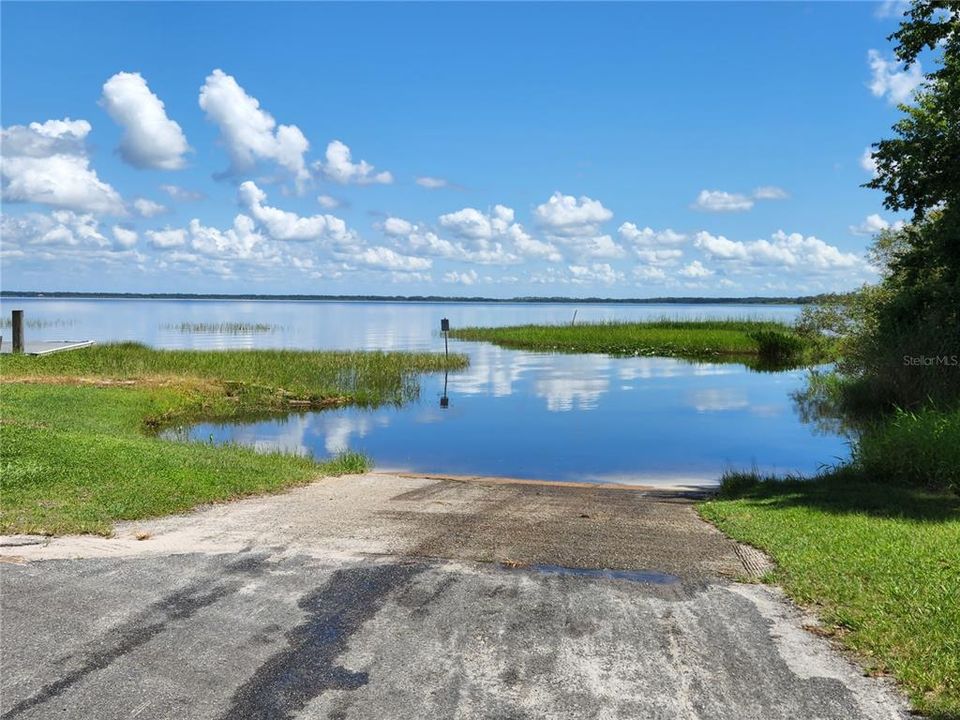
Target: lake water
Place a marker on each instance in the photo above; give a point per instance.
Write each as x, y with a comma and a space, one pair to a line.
529, 415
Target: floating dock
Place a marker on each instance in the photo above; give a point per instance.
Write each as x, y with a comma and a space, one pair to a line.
45, 347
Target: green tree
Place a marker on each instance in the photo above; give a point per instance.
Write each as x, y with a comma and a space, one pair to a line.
892, 330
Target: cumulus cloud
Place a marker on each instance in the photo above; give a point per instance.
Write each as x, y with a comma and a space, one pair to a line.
431, 183
889, 79
720, 201
148, 208
496, 235
124, 237
648, 236
47, 163
468, 277
695, 270
250, 134
59, 228
283, 225
576, 224
339, 167
791, 251
594, 273
166, 239
182, 194
658, 256
241, 241
649, 274
150, 138
386, 259
568, 215
328, 202
873, 224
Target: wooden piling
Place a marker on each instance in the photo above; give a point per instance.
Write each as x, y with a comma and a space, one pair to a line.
17, 322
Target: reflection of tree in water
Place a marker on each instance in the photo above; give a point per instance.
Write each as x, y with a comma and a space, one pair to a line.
817, 405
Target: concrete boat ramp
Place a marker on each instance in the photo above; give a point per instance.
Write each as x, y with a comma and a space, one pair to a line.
45, 347
386, 596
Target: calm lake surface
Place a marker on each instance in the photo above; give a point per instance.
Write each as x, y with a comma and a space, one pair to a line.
519, 414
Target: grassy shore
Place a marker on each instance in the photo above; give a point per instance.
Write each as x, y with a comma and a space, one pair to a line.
733, 340
78, 428
878, 561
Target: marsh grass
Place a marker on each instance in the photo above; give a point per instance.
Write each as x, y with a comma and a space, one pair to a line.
878, 562
735, 340
222, 328
79, 444
38, 323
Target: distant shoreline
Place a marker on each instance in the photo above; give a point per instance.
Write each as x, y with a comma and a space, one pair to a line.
802, 300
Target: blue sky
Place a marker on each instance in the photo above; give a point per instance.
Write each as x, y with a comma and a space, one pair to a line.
622, 150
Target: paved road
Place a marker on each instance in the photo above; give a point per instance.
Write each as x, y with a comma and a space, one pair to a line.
394, 597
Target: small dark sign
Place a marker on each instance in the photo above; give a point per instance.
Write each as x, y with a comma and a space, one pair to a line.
444, 325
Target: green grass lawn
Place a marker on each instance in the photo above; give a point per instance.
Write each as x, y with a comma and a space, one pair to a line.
77, 440
733, 340
879, 562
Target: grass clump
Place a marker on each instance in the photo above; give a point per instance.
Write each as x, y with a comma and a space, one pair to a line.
914, 448
733, 340
778, 346
78, 448
878, 562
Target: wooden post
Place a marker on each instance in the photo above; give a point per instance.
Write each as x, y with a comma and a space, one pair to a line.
17, 322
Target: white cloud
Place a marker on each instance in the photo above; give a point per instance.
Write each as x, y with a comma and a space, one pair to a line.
169, 238
431, 183
182, 194
241, 241
340, 168
888, 79
150, 139
567, 215
770, 192
397, 227
495, 235
328, 202
575, 223
59, 228
695, 270
41, 140
387, 259
594, 273
283, 225
873, 224
649, 274
868, 162
148, 208
720, 247
468, 277
793, 252
648, 236
250, 133
47, 163
124, 237
659, 257
720, 201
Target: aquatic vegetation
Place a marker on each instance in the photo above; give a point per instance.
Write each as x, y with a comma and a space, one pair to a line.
38, 323
80, 447
222, 328
738, 340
